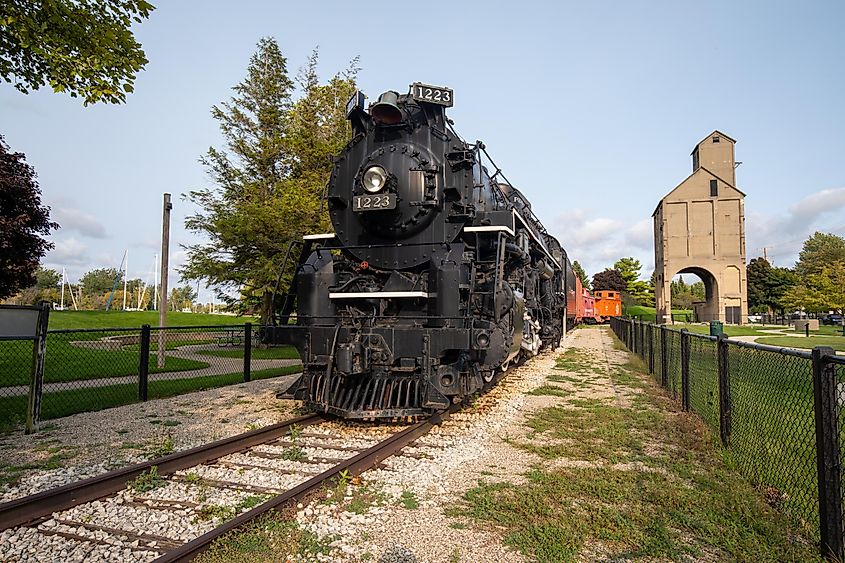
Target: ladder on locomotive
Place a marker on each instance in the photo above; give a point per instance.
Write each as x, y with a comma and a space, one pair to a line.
285, 311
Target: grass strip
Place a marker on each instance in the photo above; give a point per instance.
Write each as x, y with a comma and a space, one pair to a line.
65, 361
638, 482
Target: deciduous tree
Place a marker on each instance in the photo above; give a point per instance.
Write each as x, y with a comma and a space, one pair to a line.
83, 47
23, 223
100, 281
819, 250
767, 285
181, 297
609, 280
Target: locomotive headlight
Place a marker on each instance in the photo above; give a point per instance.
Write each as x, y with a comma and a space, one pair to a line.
374, 180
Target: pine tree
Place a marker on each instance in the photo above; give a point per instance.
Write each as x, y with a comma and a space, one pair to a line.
268, 178
579, 271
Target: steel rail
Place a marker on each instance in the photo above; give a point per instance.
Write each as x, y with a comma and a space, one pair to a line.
30, 508
355, 465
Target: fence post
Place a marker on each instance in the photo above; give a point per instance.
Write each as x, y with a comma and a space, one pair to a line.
664, 358
144, 364
247, 351
650, 348
39, 350
641, 343
724, 390
827, 454
685, 369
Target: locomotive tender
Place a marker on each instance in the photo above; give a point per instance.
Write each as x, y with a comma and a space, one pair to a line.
438, 275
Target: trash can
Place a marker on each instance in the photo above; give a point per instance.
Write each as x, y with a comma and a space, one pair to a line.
716, 328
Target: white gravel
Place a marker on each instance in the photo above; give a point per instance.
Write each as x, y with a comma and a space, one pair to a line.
97, 442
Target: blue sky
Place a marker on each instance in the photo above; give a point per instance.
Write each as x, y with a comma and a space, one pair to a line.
591, 109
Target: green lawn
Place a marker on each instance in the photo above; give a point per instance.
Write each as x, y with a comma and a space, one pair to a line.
65, 361
134, 319
773, 426
730, 330
650, 313
824, 329
65, 403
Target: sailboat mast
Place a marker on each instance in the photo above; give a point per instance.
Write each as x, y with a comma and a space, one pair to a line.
64, 277
125, 278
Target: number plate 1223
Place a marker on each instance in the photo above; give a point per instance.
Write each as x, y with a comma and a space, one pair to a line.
373, 202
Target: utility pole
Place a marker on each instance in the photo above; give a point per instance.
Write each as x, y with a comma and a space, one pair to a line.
765, 254
165, 258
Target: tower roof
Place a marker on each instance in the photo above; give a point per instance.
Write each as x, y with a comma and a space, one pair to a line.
715, 132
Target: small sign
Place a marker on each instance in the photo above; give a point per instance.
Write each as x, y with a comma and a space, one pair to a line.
432, 94
373, 202
18, 321
356, 102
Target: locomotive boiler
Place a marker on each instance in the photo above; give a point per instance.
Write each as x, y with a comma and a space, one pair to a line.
437, 276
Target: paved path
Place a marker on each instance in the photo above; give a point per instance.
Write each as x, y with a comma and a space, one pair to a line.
782, 332
217, 366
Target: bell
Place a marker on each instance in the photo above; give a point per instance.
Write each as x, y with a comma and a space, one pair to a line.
385, 110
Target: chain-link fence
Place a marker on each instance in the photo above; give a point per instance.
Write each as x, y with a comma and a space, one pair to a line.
777, 412
91, 369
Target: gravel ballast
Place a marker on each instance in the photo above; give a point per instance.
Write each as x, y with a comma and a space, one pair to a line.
87, 444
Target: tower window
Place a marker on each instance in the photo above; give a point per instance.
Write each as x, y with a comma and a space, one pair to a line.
716, 139
714, 188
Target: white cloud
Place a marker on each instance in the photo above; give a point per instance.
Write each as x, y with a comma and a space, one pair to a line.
69, 252
597, 242
819, 203
72, 219
783, 235
641, 235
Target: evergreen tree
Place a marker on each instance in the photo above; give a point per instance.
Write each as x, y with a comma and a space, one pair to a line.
629, 268
579, 271
269, 177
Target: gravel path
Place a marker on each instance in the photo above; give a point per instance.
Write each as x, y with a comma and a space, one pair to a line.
87, 444
471, 447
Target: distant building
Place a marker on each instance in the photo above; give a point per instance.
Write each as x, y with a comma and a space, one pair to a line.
699, 228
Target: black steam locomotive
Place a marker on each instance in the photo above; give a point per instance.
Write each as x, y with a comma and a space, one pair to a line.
438, 275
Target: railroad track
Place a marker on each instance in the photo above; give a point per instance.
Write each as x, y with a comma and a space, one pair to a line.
163, 510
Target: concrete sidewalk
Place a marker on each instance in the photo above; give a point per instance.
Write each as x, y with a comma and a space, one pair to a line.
217, 366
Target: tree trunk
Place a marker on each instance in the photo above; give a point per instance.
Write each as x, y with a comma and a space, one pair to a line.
266, 313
